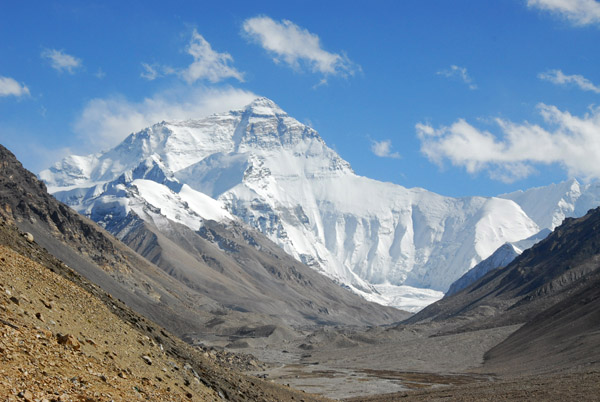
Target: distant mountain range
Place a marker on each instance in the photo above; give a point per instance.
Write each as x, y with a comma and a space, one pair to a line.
260, 168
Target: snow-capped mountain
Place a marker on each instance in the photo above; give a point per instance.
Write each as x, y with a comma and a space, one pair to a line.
548, 206
263, 167
503, 256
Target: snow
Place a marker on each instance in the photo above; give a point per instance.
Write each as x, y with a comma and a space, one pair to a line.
265, 168
405, 297
500, 258
203, 205
548, 206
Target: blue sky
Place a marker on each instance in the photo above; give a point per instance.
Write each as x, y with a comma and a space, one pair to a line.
461, 97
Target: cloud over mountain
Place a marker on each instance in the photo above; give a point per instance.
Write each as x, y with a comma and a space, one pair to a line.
569, 141
296, 47
104, 122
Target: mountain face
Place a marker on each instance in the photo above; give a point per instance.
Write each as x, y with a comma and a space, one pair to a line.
260, 166
503, 256
552, 288
548, 206
233, 278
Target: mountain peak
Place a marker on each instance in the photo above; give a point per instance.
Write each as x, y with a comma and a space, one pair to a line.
264, 107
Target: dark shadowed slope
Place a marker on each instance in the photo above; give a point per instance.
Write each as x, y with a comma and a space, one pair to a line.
567, 335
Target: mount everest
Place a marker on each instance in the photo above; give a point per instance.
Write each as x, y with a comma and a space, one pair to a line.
393, 245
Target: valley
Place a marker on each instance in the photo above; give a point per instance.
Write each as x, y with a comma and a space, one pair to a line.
213, 285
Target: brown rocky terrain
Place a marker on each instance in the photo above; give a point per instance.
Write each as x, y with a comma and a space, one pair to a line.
64, 339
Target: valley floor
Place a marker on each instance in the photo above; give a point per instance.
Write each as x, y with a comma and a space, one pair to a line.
343, 364
584, 386
411, 363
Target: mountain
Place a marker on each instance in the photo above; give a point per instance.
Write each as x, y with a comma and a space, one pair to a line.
95, 254
551, 288
262, 167
232, 279
566, 334
499, 259
548, 206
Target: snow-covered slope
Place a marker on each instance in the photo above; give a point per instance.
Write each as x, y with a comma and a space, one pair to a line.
503, 256
277, 175
548, 206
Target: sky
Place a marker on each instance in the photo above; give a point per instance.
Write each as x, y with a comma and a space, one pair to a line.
462, 97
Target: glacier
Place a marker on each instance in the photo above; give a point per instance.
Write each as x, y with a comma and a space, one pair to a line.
258, 165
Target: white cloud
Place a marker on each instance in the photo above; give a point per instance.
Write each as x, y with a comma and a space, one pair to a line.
460, 73
104, 122
570, 141
295, 46
60, 61
559, 78
10, 87
150, 72
579, 12
383, 149
208, 64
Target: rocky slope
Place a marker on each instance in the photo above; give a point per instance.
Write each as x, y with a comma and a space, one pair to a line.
263, 167
64, 339
566, 334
